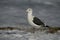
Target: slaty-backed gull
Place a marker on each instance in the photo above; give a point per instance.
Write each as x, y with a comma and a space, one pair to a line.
34, 21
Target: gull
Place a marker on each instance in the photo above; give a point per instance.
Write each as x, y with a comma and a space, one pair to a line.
34, 21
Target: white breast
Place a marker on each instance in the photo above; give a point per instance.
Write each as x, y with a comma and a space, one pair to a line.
30, 20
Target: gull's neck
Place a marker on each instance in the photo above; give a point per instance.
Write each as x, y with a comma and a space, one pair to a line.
29, 13
30, 16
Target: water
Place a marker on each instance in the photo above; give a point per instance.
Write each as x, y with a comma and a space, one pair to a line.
21, 35
13, 14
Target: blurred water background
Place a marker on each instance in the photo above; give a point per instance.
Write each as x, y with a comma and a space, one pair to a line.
13, 13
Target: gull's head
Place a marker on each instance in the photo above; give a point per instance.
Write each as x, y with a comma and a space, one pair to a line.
29, 10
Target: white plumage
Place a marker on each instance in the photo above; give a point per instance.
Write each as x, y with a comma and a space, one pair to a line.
34, 21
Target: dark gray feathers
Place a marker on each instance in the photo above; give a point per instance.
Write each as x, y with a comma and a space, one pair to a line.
37, 21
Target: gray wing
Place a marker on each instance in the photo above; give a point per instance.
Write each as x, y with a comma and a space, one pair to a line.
37, 21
